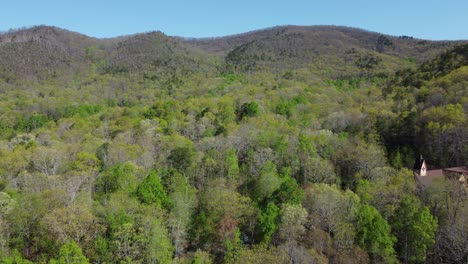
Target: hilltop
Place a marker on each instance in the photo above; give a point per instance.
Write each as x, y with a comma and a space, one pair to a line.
43, 52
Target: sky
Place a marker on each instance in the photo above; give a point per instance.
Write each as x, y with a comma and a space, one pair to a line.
426, 19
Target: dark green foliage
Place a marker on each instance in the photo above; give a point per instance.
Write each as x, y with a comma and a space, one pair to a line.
26, 124
268, 222
382, 43
249, 109
448, 61
3, 184
367, 62
120, 177
289, 192
182, 158
345, 84
151, 191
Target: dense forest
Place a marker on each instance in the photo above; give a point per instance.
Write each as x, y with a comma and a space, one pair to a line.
284, 145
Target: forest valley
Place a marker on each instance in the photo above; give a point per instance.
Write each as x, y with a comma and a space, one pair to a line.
283, 145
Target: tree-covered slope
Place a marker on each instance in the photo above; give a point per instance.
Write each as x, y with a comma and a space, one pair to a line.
47, 52
291, 47
42, 52
155, 149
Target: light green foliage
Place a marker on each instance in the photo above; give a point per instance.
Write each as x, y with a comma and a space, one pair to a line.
222, 210
334, 211
24, 221
386, 189
259, 255
85, 161
363, 190
201, 257
233, 246
82, 110
14, 258
151, 191
293, 218
6, 203
232, 166
444, 117
415, 228
136, 231
183, 200
236, 137
158, 247
374, 234
268, 182
70, 253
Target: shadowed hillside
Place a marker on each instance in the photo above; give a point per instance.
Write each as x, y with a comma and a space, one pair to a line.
156, 54
42, 52
298, 46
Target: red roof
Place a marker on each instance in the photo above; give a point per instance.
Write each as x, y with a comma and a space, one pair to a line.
461, 169
434, 173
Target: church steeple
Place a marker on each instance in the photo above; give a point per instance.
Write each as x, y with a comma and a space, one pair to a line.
423, 168
420, 166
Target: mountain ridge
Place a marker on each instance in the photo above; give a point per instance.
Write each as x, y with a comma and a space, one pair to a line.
41, 52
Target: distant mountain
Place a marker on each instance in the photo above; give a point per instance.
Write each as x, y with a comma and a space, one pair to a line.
48, 52
288, 47
42, 51
154, 54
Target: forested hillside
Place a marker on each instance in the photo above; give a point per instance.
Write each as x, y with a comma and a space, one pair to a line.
284, 145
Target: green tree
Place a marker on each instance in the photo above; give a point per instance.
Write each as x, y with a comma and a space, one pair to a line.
231, 164
14, 258
293, 218
155, 238
182, 158
374, 234
289, 192
268, 222
249, 109
201, 257
415, 228
268, 182
120, 177
85, 161
70, 253
151, 191
183, 200
233, 246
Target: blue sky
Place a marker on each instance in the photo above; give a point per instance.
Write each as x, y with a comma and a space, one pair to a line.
429, 19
